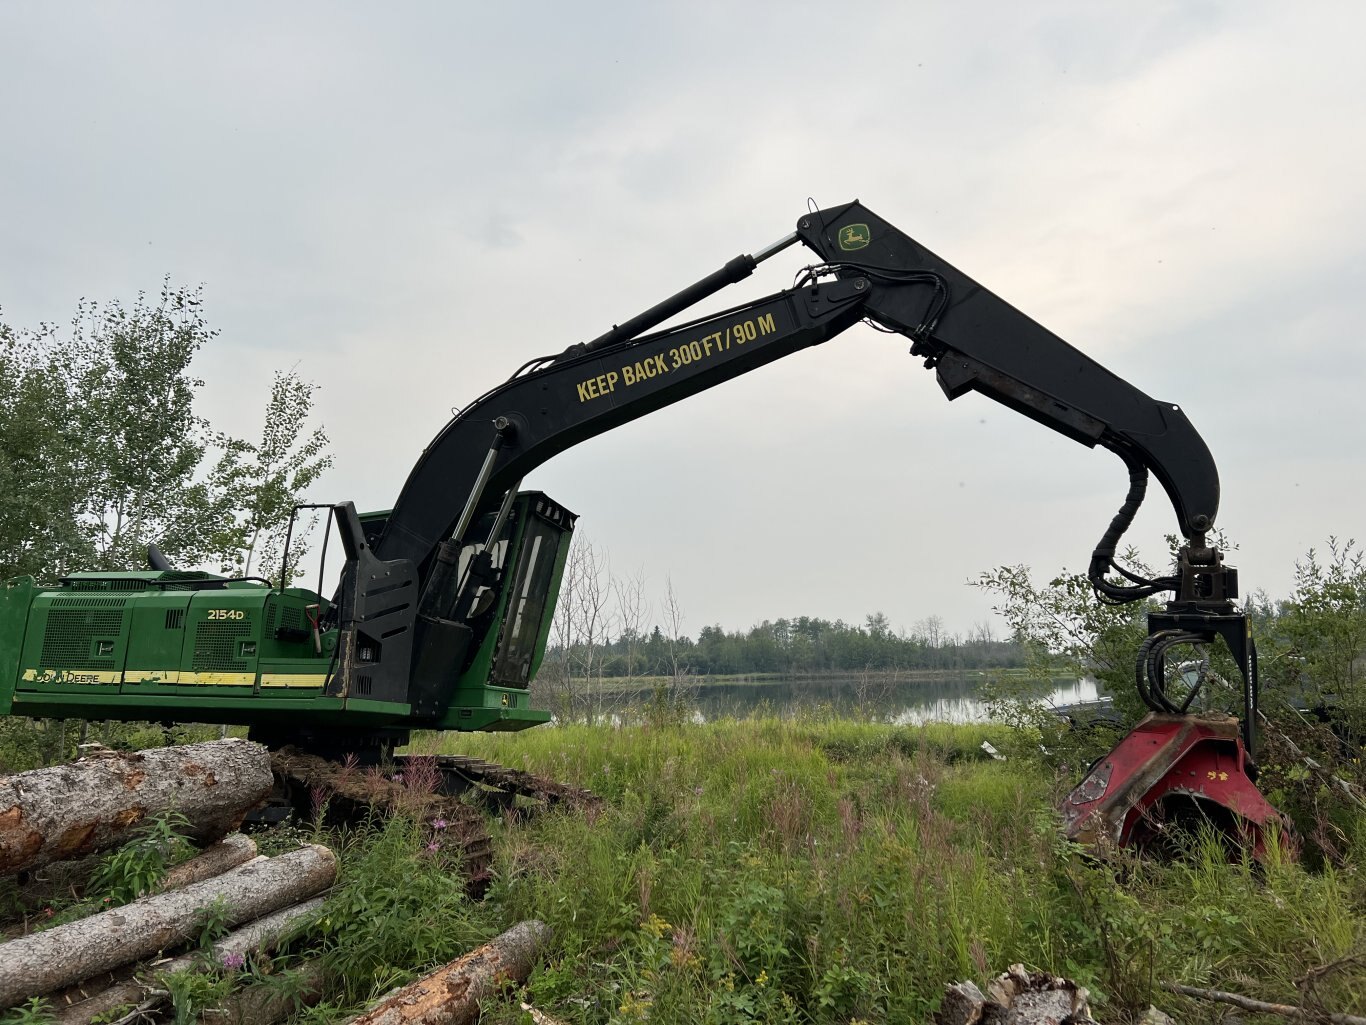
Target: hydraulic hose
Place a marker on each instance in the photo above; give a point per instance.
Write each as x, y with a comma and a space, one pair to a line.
1103, 558
1149, 670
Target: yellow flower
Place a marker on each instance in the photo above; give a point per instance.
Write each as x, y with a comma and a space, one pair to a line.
655, 926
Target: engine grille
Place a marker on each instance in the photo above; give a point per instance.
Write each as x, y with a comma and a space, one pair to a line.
215, 647
71, 631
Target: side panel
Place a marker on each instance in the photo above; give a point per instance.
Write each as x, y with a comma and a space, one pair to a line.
155, 638
15, 598
222, 641
75, 641
236, 653
291, 664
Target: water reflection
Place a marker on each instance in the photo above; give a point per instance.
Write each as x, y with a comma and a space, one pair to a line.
955, 698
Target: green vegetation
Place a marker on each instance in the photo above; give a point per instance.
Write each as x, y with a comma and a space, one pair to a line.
808, 870
826, 871
807, 645
103, 453
30, 743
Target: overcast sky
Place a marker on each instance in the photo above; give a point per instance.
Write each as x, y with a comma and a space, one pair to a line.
410, 200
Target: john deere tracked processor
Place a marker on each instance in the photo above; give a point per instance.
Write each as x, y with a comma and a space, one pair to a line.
295, 667
444, 605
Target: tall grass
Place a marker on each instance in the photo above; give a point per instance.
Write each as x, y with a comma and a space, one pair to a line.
808, 871
816, 870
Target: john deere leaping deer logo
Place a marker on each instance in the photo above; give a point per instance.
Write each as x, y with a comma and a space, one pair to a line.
853, 236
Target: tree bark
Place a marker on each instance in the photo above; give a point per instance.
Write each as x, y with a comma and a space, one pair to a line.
262, 935
229, 852
72, 878
41, 962
451, 995
1016, 997
265, 1005
93, 804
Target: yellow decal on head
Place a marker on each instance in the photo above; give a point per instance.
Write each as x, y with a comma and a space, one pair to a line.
854, 236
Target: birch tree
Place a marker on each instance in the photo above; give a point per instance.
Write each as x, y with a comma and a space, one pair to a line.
264, 480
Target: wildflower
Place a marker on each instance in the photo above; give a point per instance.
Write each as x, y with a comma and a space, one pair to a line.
233, 961
762, 980
434, 846
439, 823
655, 926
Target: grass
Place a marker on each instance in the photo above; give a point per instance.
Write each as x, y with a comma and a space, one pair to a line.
831, 871
817, 870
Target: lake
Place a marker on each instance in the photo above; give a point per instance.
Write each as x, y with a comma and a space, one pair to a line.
948, 698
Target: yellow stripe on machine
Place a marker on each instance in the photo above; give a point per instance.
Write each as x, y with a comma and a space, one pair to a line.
293, 679
174, 677
70, 676
218, 679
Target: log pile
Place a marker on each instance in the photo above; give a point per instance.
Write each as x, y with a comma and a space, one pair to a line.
210, 913
89, 969
42, 962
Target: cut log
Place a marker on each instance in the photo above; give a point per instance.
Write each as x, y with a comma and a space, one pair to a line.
262, 935
266, 933
266, 1004
71, 810
451, 995
70, 879
229, 852
41, 962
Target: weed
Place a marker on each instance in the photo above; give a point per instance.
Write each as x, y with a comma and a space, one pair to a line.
819, 871
399, 907
138, 867
193, 993
34, 1011
214, 922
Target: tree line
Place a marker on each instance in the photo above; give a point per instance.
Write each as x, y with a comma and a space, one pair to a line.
606, 628
102, 452
808, 645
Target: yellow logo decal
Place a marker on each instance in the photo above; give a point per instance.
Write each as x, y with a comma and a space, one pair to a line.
854, 236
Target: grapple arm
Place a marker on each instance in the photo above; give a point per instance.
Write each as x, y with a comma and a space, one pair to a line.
976, 341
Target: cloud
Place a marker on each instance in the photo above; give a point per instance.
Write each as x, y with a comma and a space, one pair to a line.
413, 204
